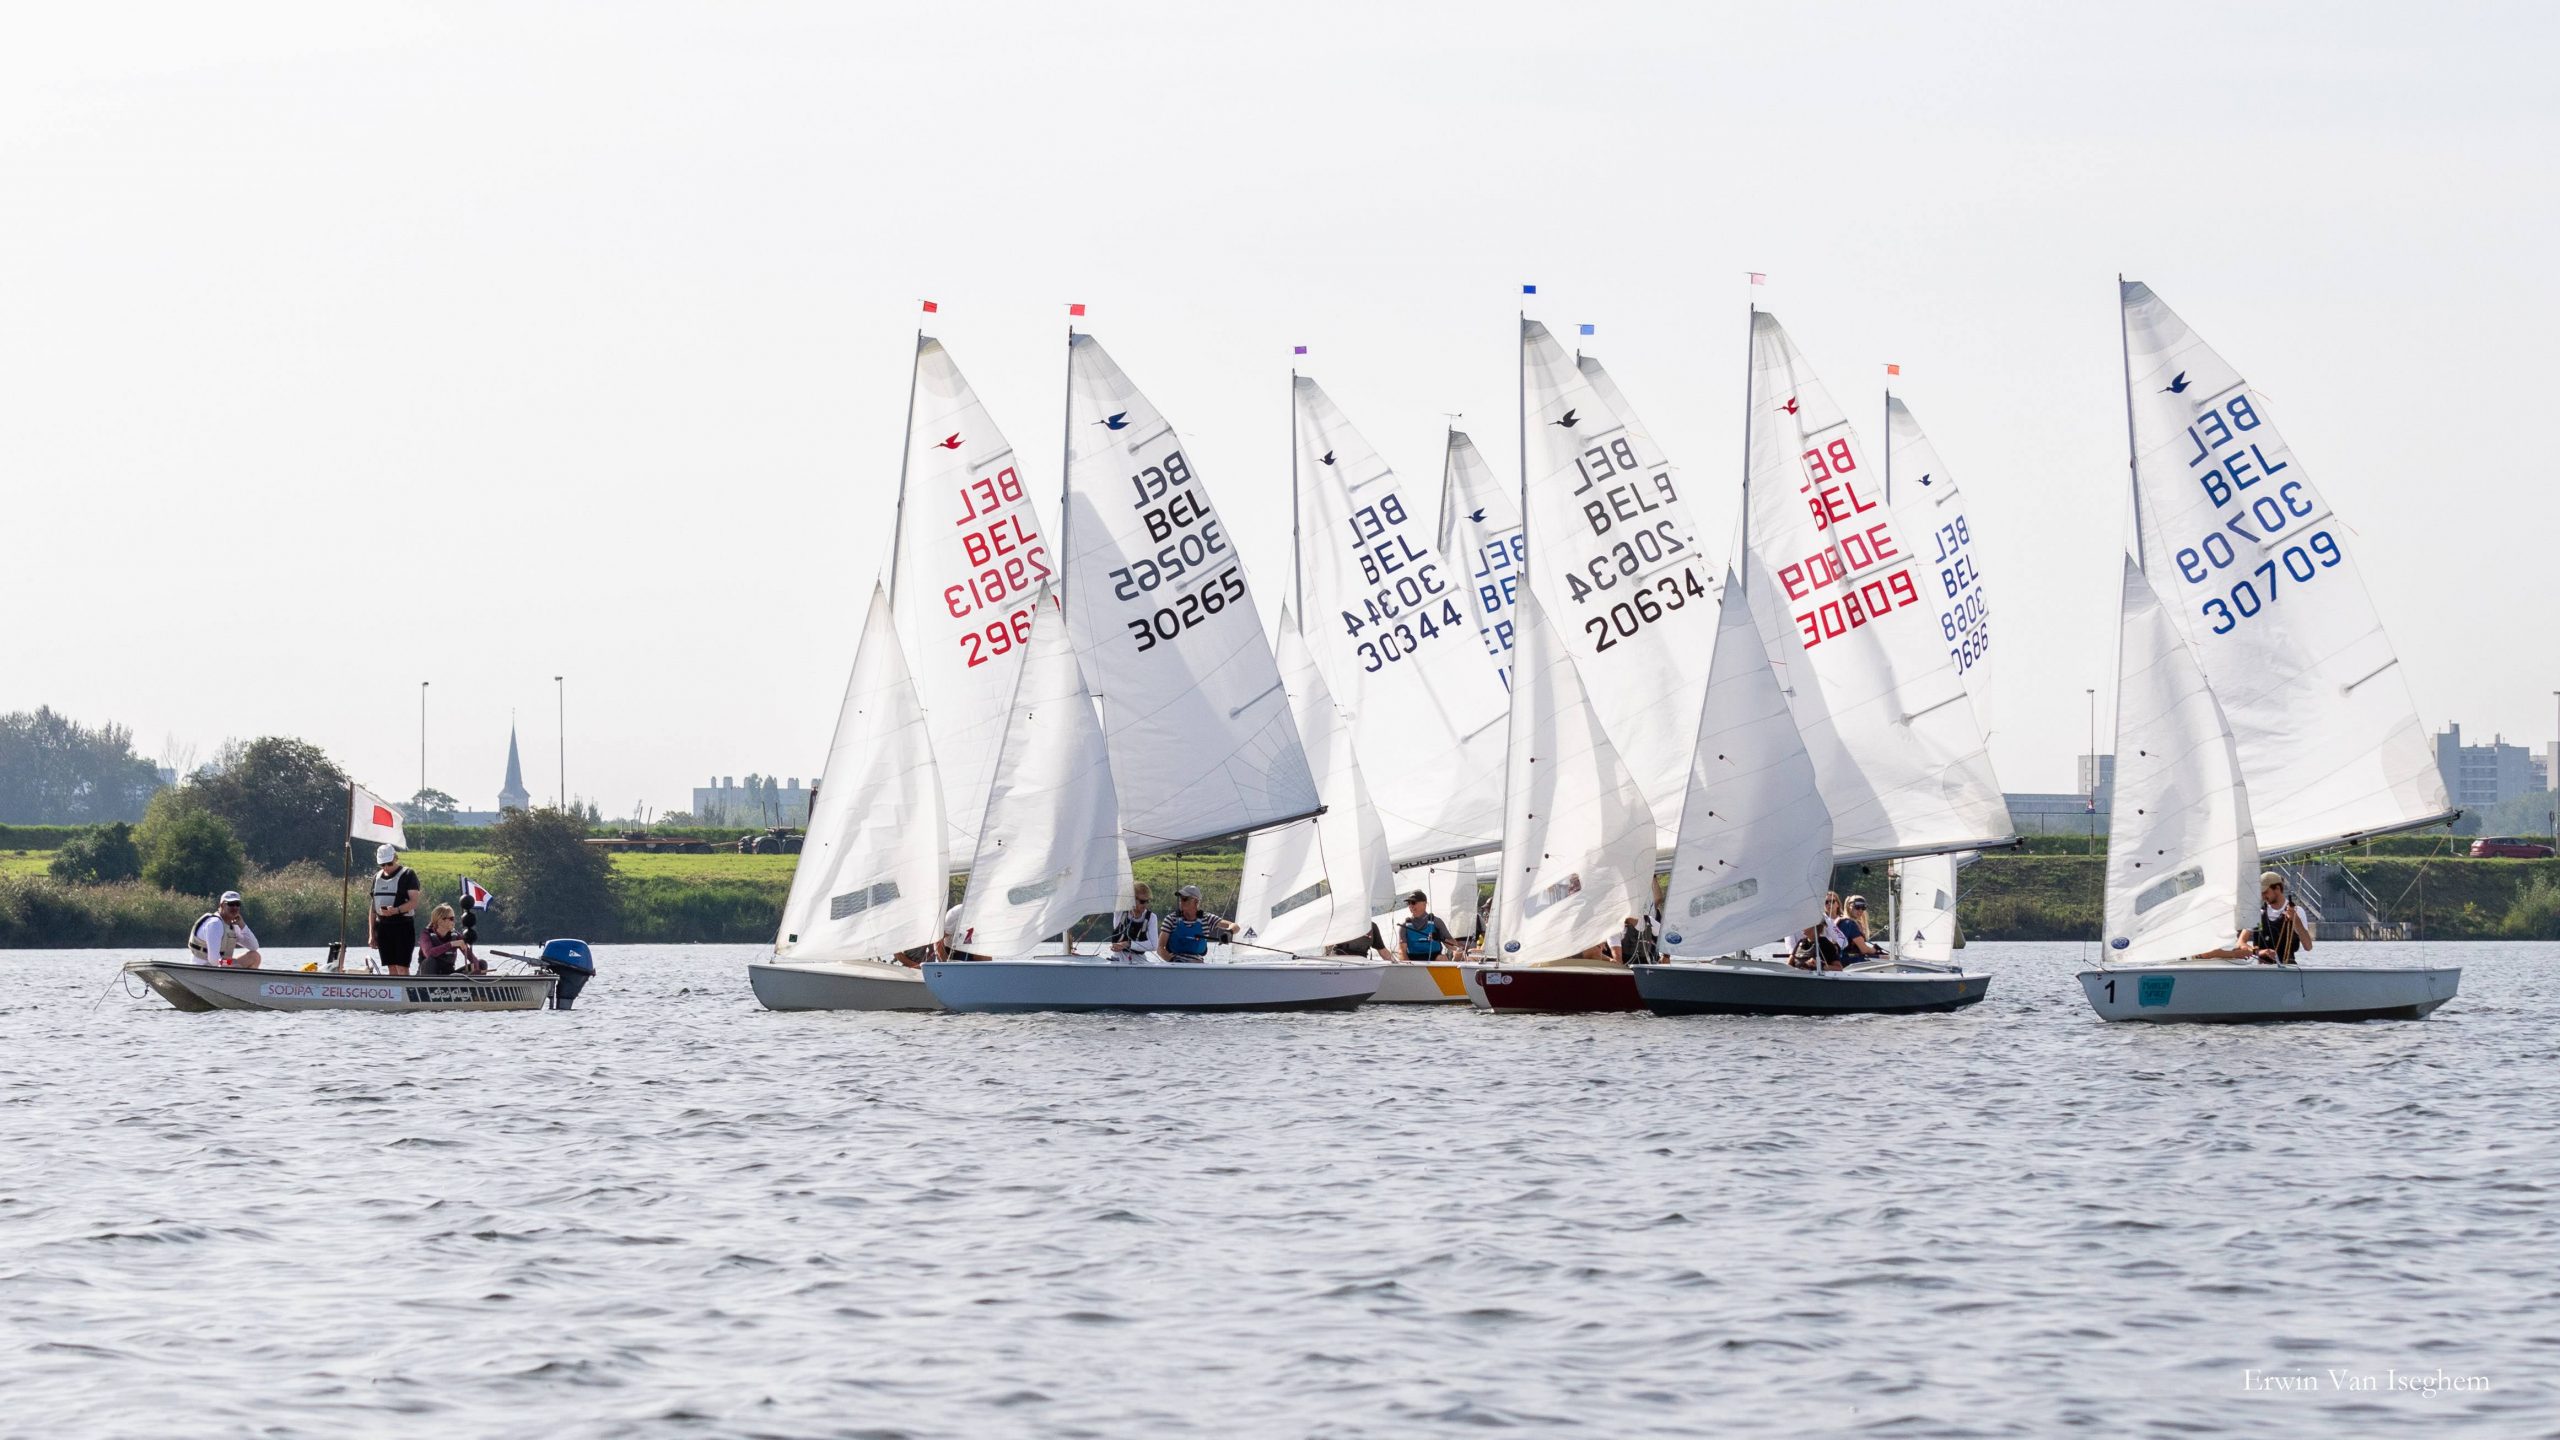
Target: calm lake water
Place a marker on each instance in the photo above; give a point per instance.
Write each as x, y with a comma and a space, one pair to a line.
669, 1212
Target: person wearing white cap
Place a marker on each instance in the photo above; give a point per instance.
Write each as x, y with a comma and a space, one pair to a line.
392, 927
221, 937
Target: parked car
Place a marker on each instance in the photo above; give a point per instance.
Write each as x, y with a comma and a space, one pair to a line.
2508, 847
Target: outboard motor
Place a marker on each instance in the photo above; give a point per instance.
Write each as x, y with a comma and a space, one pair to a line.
573, 962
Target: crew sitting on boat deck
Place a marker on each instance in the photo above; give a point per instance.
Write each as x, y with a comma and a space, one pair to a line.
1185, 934
1421, 935
1819, 949
1360, 946
948, 947
1134, 931
221, 937
1854, 944
2281, 932
441, 943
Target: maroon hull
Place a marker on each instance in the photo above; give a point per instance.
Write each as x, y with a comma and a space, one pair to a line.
1556, 990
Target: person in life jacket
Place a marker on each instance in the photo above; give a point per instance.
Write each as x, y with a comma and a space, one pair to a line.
1421, 935
1184, 935
391, 927
2281, 932
222, 937
1137, 930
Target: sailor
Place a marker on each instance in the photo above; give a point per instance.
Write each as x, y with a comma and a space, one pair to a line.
1184, 935
1134, 930
1820, 948
1421, 935
2281, 932
1360, 946
392, 927
948, 947
221, 937
1852, 929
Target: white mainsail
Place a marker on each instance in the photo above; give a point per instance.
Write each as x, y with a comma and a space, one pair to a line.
1386, 619
1614, 553
1049, 847
1842, 605
873, 870
1449, 888
970, 552
1199, 728
1312, 883
1755, 838
1925, 907
2182, 858
1930, 512
1480, 535
2261, 577
1578, 840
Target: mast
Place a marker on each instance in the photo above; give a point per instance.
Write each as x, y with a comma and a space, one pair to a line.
1888, 445
1297, 564
1750, 351
346, 873
2132, 462
906, 448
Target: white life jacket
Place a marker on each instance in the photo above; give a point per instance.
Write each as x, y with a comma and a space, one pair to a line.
386, 888
195, 938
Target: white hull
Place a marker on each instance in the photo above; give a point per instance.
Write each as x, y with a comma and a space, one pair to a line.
1423, 982
1004, 986
227, 987
839, 985
2213, 991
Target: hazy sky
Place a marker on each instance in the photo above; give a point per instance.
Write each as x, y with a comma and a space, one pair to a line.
574, 338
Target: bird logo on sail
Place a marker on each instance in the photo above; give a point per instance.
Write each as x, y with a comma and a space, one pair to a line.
1118, 421
1924, 479
1791, 405
1328, 457
950, 443
1476, 515
2177, 386
1568, 422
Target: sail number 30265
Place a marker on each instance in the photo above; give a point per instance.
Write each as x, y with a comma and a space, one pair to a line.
1215, 594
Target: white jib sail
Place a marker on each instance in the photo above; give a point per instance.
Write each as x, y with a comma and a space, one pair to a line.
970, 553
873, 870
1930, 513
1312, 883
1755, 838
1201, 738
1613, 547
1925, 906
2182, 859
1480, 534
1049, 847
1578, 840
1843, 604
2262, 580
1387, 621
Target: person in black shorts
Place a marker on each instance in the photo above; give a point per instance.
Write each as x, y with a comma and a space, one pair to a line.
393, 924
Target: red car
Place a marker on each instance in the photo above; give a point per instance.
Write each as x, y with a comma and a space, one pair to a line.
2508, 847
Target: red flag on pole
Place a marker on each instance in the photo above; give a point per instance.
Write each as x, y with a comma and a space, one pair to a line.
1893, 369
931, 309
1075, 309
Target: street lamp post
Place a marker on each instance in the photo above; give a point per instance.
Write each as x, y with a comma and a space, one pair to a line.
2551, 773
562, 800
2089, 781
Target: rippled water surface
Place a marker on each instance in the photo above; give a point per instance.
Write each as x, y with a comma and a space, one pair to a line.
669, 1212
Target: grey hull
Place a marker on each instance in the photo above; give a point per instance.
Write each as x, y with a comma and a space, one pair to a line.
1717, 990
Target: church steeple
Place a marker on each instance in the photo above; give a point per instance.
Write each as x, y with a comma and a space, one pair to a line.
513, 795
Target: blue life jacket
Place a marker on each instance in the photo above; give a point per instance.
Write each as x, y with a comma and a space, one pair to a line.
1185, 937
1420, 941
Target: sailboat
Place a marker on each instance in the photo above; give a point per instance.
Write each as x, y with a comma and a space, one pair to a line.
2259, 710
873, 871
1755, 859
1930, 512
1479, 534
1051, 852
926, 699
